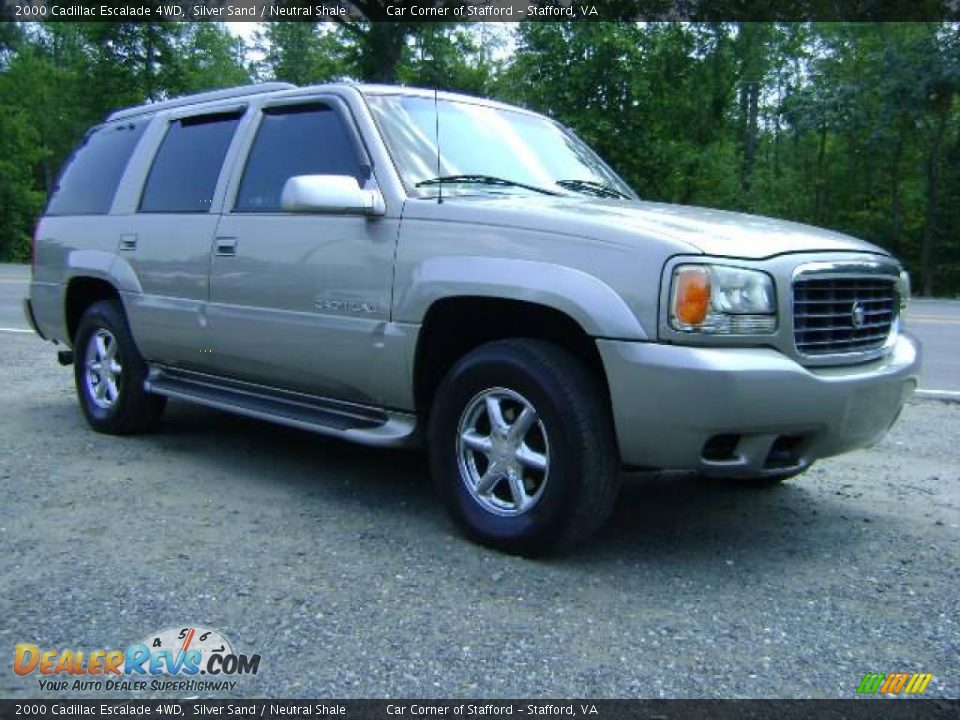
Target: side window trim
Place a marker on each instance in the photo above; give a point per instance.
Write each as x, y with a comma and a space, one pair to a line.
134, 179
244, 148
165, 122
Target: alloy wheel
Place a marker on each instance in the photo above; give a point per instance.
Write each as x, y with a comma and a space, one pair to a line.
503, 451
103, 369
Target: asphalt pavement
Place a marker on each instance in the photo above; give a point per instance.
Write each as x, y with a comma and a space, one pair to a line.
937, 324
13, 287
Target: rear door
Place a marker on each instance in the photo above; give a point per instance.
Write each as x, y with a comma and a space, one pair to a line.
301, 301
167, 242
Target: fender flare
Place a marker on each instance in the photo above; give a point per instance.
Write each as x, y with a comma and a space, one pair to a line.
593, 304
102, 265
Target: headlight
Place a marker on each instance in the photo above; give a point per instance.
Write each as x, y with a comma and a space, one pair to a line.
722, 300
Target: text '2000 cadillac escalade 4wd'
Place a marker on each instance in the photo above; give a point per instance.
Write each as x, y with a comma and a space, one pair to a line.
309, 256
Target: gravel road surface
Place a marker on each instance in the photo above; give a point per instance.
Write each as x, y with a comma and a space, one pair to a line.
337, 565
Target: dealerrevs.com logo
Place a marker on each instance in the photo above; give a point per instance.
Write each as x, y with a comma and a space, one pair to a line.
182, 653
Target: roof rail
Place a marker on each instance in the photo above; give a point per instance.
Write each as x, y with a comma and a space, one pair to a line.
241, 91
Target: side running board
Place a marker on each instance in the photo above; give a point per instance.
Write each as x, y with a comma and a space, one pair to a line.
357, 423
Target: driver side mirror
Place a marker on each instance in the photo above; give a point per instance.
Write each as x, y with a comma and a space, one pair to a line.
329, 194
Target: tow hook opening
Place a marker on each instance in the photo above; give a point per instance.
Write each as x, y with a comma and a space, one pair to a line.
65, 357
785, 451
721, 448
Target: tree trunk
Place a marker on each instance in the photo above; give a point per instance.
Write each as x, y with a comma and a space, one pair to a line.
818, 180
933, 192
751, 132
383, 45
896, 216
777, 134
148, 52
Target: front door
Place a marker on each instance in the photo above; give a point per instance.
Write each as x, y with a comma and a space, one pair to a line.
300, 301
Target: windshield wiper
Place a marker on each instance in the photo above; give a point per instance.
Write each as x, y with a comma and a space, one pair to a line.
483, 180
593, 188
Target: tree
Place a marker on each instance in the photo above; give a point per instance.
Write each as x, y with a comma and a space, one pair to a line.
752, 48
20, 201
451, 57
212, 58
302, 53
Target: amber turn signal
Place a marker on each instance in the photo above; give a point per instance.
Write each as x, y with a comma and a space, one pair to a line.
691, 297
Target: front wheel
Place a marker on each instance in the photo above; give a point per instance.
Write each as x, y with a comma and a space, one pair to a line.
109, 373
522, 447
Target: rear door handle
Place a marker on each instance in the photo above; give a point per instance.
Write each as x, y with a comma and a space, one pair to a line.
226, 246
128, 242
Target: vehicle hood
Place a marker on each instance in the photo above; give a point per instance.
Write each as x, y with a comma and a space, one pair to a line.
712, 232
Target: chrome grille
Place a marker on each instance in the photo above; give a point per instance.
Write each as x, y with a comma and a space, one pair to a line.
842, 315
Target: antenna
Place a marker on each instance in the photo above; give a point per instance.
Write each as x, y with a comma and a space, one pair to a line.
436, 115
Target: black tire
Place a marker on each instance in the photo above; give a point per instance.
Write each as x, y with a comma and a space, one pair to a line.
133, 409
573, 421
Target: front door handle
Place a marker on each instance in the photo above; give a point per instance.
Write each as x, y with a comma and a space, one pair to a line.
226, 246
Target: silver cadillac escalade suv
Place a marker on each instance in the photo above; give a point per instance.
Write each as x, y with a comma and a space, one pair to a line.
393, 266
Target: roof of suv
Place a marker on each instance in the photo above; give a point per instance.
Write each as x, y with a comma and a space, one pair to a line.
287, 89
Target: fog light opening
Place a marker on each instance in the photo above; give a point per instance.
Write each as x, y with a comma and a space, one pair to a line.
721, 448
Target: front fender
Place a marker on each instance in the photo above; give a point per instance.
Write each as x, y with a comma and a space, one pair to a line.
593, 304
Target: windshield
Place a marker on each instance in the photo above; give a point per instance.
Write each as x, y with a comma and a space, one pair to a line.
488, 150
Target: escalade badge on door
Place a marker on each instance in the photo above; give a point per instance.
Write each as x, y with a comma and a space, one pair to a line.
347, 306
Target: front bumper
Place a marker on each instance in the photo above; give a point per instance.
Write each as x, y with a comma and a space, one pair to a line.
746, 412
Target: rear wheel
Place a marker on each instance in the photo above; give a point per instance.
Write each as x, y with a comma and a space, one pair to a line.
522, 447
109, 373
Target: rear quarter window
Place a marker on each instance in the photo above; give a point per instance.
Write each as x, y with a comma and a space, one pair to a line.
90, 177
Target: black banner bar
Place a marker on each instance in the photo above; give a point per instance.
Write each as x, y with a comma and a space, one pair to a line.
865, 709
482, 10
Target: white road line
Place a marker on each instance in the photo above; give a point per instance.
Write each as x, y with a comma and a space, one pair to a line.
931, 320
945, 395
16, 330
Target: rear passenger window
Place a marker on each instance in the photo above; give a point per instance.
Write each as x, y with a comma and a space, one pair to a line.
90, 178
296, 140
185, 170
